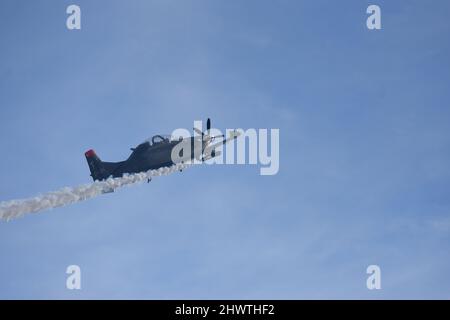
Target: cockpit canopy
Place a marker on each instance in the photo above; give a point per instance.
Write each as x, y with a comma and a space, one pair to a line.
155, 140
159, 138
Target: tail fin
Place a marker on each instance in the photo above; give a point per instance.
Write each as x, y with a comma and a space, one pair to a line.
98, 171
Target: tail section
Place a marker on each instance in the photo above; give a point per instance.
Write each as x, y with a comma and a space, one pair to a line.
98, 171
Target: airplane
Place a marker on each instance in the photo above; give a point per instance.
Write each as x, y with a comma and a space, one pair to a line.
157, 152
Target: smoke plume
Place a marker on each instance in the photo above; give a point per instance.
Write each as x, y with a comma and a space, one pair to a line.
16, 208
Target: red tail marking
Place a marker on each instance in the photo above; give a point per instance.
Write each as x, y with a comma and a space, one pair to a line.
90, 153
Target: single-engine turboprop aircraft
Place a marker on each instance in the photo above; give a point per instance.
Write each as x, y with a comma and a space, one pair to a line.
158, 152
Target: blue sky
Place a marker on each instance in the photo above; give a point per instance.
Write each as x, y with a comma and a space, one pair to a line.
364, 148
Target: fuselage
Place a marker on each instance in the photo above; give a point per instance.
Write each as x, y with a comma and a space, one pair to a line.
148, 156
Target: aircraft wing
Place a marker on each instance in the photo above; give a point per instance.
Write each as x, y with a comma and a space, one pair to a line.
209, 150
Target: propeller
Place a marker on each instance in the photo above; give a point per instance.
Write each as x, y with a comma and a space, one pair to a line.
206, 137
208, 129
206, 134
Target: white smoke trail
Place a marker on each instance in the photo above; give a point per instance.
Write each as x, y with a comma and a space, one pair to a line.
16, 208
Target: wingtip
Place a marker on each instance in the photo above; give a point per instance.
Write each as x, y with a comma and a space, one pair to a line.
235, 134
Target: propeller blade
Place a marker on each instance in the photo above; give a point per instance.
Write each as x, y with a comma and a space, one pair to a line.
208, 124
198, 131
